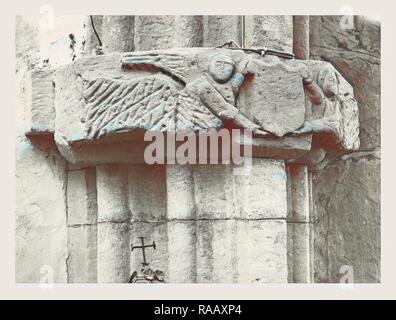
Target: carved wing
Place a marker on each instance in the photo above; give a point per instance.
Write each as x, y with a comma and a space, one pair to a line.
152, 102
119, 105
176, 66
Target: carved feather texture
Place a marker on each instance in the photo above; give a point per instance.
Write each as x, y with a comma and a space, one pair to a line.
350, 124
174, 65
150, 103
349, 115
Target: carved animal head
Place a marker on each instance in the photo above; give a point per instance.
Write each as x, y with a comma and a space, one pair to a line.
328, 81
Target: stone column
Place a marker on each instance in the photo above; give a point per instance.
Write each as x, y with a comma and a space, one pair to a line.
114, 250
241, 223
181, 224
118, 33
301, 37
113, 224
261, 237
220, 29
299, 182
216, 207
157, 32
188, 31
81, 223
147, 202
91, 40
274, 32
299, 223
153, 32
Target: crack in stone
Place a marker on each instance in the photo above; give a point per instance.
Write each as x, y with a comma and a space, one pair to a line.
68, 273
299, 222
360, 155
353, 51
77, 225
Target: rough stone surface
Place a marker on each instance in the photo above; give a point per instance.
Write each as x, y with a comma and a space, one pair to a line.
81, 213
264, 242
112, 193
113, 255
153, 32
147, 193
226, 249
347, 219
221, 29
147, 202
182, 251
82, 205
113, 240
40, 230
82, 251
275, 97
117, 33
214, 191
188, 31
356, 54
180, 192
263, 191
274, 32
228, 212
216, 251
181, 225
41, 237
90, 40
43, 95
157, 258
301, 253
220, 194
299, 205
286, 148
346, 193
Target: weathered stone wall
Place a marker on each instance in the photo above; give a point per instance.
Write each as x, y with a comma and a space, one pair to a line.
41, 237
346, 192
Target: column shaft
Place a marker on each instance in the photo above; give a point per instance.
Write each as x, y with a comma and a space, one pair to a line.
113, 224
188, 31
91, 39
301, 37
298, 222
181, 224
274, 32
220, 29
81, 226
118, 33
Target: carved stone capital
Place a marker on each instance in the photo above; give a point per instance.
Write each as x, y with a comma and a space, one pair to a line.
110, 100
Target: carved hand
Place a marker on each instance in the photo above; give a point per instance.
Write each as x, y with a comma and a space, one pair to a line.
242, 66
245, 123
305, 128
316, 126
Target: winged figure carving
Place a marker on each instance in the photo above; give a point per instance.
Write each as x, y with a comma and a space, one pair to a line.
167, 92
199, 88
